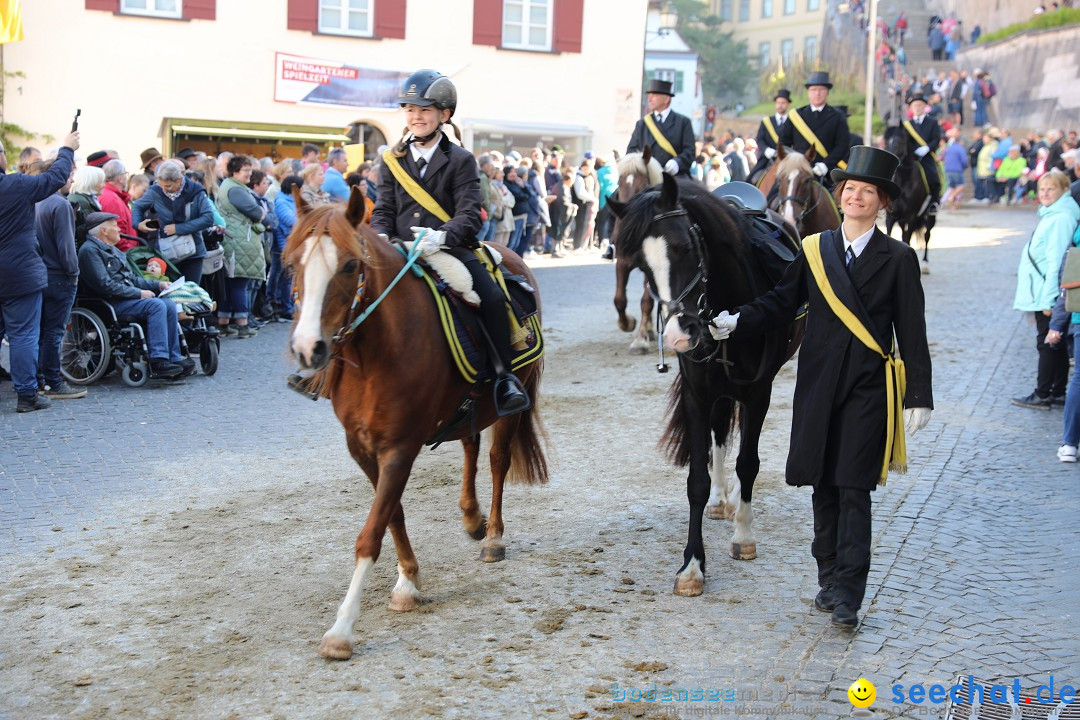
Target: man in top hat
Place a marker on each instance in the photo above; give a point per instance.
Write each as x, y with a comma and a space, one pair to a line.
925, 132
669, 134
768, 134
819, 126
150, 158
840, 426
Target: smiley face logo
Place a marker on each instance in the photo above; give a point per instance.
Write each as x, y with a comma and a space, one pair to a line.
862, 693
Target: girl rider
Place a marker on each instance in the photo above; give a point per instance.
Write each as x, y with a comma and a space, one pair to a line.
450, 176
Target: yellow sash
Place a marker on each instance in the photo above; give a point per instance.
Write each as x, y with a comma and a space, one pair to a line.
659, 136
804, 130
768, 123
914, 133
412, 187
895, 374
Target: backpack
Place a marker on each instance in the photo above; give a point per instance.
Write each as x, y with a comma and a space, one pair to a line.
988, 89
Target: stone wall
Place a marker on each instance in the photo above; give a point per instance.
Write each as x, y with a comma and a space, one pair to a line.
1037, 75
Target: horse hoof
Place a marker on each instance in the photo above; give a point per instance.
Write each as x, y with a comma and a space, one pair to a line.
403, 602
493, 553
639, 347
744, 551
479, 532
925, 269
715, 512
335, 648
628, 325
689, 587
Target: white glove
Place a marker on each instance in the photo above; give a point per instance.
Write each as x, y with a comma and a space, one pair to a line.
723, 325
820, 169
922, 150
430, 241
770, 152
671, 167
915, 419
384, 238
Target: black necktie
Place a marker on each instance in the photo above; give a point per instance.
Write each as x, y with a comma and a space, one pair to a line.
658, 117
420, 165
850, 255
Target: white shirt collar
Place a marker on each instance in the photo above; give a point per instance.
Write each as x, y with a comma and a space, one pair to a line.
816, 109
917, 118
426, 153
858, 244
664, 113
780, 118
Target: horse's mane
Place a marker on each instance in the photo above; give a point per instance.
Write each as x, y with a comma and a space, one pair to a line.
634, 164
793, 163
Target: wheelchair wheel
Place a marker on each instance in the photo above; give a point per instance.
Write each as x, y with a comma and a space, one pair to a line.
208, 356
85, 353
135, 374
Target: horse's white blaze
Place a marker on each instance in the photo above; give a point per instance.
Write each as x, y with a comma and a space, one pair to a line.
349, 612
744, 520
789, 206
655, 250
319, 267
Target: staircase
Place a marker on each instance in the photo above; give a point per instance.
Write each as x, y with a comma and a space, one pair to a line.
919, 57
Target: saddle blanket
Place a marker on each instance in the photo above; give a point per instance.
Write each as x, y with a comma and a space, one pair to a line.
455, 302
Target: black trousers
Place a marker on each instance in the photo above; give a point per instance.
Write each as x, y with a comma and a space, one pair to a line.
1053, 362
933, 177
492, 302
841, 543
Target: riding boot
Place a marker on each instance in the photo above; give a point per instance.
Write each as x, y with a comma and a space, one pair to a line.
509, 394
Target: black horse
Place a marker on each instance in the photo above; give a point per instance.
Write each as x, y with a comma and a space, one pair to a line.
695, 251
909, 210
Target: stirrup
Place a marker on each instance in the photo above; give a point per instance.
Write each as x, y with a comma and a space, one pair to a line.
295, 382
516, 383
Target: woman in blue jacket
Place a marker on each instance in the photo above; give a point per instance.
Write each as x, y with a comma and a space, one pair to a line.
182, 208
279, 286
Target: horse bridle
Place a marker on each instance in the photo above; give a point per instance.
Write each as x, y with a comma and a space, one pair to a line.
807, 206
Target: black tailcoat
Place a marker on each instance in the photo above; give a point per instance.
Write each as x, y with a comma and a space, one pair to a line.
679, 132
840, 397
452, 178
764, 138
830, 126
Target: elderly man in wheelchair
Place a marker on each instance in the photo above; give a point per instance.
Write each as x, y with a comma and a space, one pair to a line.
104, 273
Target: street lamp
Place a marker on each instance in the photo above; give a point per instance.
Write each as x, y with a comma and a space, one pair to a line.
668, 18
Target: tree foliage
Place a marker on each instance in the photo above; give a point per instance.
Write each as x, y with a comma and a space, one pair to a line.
725, 65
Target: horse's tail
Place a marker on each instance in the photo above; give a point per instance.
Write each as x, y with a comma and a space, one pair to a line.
528, 464
673, 442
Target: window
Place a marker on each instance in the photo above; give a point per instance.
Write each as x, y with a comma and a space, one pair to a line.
725, 9
813, 5
766, 8
810, 51
789, 7
786, 46
154, 8
744, 10
527, 24
764, 54
345, 17
675, 77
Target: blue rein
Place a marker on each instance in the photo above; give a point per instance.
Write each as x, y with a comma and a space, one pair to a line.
410, 260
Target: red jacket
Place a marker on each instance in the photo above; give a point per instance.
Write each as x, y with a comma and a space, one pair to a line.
116, 202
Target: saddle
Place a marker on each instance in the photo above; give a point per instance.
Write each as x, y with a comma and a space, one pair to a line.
456, 304
773, 248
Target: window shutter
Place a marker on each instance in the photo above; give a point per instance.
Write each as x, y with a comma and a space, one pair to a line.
569, 17
678, 81
304, 15
200, 9
107, 5
487, 22
390, 18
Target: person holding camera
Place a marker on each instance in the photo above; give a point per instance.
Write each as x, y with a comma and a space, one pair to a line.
183, 212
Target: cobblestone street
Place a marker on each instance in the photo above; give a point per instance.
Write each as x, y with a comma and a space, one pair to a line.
190, 488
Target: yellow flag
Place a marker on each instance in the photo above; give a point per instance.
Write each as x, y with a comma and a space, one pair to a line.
355, 155
10, 21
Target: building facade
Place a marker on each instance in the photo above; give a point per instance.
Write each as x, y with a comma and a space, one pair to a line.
266, 77
668, 57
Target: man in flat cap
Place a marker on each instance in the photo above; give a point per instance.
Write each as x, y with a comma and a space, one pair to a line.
669, 134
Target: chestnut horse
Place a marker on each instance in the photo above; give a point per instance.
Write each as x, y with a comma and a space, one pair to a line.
800, 198
637, 171
393, 384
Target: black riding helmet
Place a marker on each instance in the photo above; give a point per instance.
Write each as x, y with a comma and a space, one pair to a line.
429, 87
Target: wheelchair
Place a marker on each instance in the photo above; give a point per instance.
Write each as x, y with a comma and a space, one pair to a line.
97, 342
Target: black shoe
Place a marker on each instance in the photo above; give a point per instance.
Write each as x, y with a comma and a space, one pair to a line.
162, 368
609, 254
1033, 401
843, 616
1058, 400
510, 397
30, 403
187, 366
825, 602
284, 317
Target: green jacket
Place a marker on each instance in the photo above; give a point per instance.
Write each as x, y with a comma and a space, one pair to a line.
243, 244
1011, 168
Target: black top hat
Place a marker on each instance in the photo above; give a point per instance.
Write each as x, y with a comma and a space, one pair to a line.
870, 165
818, 78
660, 87
916, 96
185, 153
783, 93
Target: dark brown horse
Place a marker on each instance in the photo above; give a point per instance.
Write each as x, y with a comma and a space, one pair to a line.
637, 171
392, 384
910, 210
